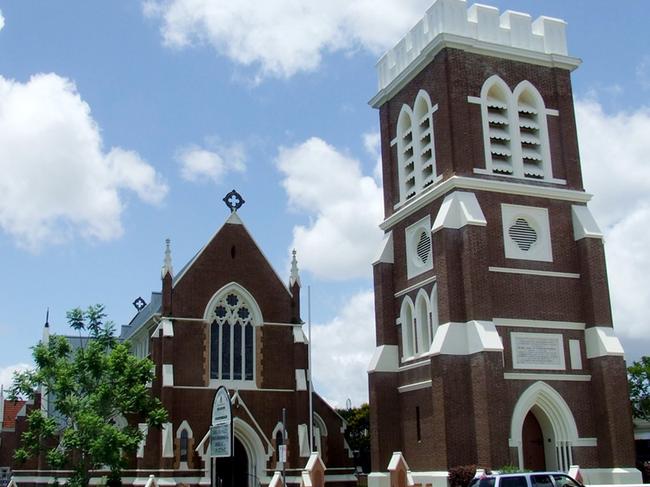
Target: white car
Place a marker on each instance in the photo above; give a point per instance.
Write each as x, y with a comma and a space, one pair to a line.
525, 479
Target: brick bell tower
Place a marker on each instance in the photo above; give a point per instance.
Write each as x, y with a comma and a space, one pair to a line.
494, 333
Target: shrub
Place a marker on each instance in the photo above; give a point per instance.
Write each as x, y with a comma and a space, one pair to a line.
462, 475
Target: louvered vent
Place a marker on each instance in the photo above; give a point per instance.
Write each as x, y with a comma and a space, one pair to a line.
408, 166
523, 234
531, 143
424, 247
499, 128
426, 146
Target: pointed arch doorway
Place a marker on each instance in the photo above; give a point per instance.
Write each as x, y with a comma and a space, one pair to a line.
232, 472
542, 414
533, 444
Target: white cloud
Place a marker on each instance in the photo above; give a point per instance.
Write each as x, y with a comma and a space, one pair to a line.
57, 180
199, 164
342, 349
284, 37
615, 154
2, 20
643, 72
7, 374
372, 144
344, 205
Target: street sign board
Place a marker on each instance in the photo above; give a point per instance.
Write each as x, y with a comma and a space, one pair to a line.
221, 429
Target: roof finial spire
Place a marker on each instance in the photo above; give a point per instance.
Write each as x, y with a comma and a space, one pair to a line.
295, 277
167, 263
46, 328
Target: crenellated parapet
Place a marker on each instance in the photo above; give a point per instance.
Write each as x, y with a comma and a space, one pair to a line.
481, 28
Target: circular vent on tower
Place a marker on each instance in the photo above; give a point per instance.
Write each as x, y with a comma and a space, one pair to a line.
424, 247
523, 234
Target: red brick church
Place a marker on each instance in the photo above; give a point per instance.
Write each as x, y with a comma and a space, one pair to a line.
495, 341
225, 319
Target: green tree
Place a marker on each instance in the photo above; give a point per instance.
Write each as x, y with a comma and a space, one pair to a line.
357, 433
90, 386
638, 376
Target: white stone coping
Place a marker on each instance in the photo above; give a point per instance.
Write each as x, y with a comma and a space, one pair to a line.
480, 25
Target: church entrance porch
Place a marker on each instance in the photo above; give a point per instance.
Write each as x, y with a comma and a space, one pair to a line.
233, 472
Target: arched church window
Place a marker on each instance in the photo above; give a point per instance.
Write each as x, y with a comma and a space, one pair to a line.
184, 444
408, 329
515, 130
415, 147
232, 341
422, 321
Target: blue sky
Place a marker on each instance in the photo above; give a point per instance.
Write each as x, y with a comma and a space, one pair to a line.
125, 123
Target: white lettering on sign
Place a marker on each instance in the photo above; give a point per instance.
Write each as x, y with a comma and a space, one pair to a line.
221, 429
539, 351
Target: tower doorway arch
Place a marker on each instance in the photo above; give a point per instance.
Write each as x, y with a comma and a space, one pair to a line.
543, 429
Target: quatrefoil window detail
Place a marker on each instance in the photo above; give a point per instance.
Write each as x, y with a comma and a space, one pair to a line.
523, 234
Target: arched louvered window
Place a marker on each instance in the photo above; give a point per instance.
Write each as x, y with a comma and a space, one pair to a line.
409, 339
405, 153
425, 148
232, 336
499, 128
416, 147
515, 131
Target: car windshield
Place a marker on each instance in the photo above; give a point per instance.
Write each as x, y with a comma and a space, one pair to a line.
482, 482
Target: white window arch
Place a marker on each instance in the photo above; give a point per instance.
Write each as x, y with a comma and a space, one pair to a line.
416, 154
434, 318
422, 322
533, 131
425, 144
515, 131
408, 330
184, 435
405, 153
233, 315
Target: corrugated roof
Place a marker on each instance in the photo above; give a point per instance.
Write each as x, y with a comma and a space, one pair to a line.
11, 412
154, 306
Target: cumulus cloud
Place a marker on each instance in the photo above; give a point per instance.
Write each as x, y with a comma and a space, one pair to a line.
200, 164
284, 37
342, 349
615, 154
57, 180
345, 208
7, 374
2, 20
372, 144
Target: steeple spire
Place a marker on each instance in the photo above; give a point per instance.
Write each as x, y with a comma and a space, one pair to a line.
295, 277
46, 328
167, 263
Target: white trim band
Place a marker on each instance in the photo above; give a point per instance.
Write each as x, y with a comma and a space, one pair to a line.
480, 184
556, 325
415, 286
415, 386
533, 272
547, 377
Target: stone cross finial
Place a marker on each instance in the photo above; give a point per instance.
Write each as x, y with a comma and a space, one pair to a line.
167, 263
295, 276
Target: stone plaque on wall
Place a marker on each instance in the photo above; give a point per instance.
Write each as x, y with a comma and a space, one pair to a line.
540, 351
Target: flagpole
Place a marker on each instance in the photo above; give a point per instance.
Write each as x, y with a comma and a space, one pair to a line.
311, 390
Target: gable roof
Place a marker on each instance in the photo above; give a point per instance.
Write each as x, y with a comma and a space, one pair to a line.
233, 219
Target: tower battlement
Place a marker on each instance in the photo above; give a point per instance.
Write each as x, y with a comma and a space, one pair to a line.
481, 28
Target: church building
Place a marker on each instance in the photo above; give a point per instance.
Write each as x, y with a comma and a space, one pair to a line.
494, 333
225, 319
